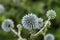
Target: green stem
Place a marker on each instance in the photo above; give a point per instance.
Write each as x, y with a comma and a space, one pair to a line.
18, 34
13, 31
19, 31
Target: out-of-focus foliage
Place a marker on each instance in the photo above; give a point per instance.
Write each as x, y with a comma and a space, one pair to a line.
16, 10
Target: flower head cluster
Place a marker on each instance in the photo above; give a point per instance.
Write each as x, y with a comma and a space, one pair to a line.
49, 37
2, 9
51, 14
7, 24
30, 21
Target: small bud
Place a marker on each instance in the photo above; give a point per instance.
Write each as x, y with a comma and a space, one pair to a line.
19, 26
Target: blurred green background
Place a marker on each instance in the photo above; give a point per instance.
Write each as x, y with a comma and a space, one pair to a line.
16, 9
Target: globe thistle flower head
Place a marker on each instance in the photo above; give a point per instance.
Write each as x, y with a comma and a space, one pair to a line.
51, 14
2, 9
40, 23
7, 24
30, 21
49, 37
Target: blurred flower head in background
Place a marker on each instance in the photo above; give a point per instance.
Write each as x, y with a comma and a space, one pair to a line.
40, 23
30, 21
49, 37
7, 24
2, 9
51, 14
16, 0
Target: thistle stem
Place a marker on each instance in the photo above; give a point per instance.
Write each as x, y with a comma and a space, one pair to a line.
13, 31
16, 33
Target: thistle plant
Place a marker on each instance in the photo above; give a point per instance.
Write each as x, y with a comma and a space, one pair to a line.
31, 22
8, 25
51, 14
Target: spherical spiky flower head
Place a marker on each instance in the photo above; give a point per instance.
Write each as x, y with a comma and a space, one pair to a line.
51, 14
2, 9
7, 24
40, 23
49, 37
30, 21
